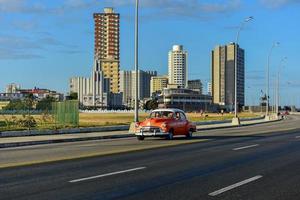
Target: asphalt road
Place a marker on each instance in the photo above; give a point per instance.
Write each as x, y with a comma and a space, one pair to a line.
255, 162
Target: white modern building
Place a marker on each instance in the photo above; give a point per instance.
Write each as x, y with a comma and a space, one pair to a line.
12, 88
93, 91
178, 66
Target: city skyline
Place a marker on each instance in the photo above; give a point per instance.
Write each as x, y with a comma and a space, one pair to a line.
66, 57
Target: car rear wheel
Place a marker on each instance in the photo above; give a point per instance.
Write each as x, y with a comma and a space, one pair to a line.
171, 135
140, 138
190, 134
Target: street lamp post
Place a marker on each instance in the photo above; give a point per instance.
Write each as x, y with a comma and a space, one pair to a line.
236, 120
275, 44
278, 83
136, 62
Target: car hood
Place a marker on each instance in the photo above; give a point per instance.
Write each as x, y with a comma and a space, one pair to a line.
154, 121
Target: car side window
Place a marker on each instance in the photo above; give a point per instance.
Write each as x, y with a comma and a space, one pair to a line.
177, 114
182, 116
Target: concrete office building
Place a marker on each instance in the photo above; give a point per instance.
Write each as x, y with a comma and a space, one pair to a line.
209, 92
107, 45
127, 85
92, 91
195, 85
158, 83
223, 75
178, 66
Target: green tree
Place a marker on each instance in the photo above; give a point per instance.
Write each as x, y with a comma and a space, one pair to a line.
73, 96
16, 105
151, 105
45, 104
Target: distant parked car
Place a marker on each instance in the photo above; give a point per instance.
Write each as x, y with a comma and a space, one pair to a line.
165, 123
285, 112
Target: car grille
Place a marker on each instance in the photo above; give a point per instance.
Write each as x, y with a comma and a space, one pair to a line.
150, 129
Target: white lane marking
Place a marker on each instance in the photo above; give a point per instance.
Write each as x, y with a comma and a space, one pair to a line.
108, 174
245, 147
235, 185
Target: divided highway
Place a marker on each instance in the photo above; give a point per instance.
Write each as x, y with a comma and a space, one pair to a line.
255, 162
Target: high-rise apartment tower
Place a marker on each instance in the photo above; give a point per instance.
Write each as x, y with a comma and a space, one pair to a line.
178, 66
107, 45
223, 75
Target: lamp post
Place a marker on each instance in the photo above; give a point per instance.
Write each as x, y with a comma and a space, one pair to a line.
275, 44
236, 120
136, 62
278, 83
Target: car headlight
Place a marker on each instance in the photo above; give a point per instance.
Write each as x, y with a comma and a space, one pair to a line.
137, 125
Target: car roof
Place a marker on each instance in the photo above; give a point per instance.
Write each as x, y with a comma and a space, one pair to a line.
168, 110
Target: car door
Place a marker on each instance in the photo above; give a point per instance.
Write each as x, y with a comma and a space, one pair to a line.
177, 125
183, 123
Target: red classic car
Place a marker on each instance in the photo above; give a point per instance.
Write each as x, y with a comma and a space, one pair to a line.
165, 123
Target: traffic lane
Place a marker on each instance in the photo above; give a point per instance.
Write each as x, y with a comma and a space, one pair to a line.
275, 174
67, 151
59, 184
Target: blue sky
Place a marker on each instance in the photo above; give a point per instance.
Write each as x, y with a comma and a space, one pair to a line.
44, 43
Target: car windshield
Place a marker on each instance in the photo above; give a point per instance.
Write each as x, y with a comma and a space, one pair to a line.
162, 114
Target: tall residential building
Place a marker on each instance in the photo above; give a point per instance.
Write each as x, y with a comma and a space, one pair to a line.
107, 45
158, 83
195, 85
178, 66
223, 75
127, 85
12, 88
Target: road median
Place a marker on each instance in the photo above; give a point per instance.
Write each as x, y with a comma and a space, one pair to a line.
8, 140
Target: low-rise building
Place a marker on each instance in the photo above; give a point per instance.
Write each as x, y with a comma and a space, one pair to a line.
37, 93
40, 94
185, 99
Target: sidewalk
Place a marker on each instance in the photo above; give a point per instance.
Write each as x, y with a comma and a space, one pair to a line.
7, 142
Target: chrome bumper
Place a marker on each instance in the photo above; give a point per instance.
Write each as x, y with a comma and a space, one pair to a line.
149, 133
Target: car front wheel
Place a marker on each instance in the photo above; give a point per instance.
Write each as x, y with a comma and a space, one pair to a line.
190, 134
170, 135
140, 138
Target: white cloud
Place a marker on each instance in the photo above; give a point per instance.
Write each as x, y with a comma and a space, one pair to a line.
278, 3
192, 9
